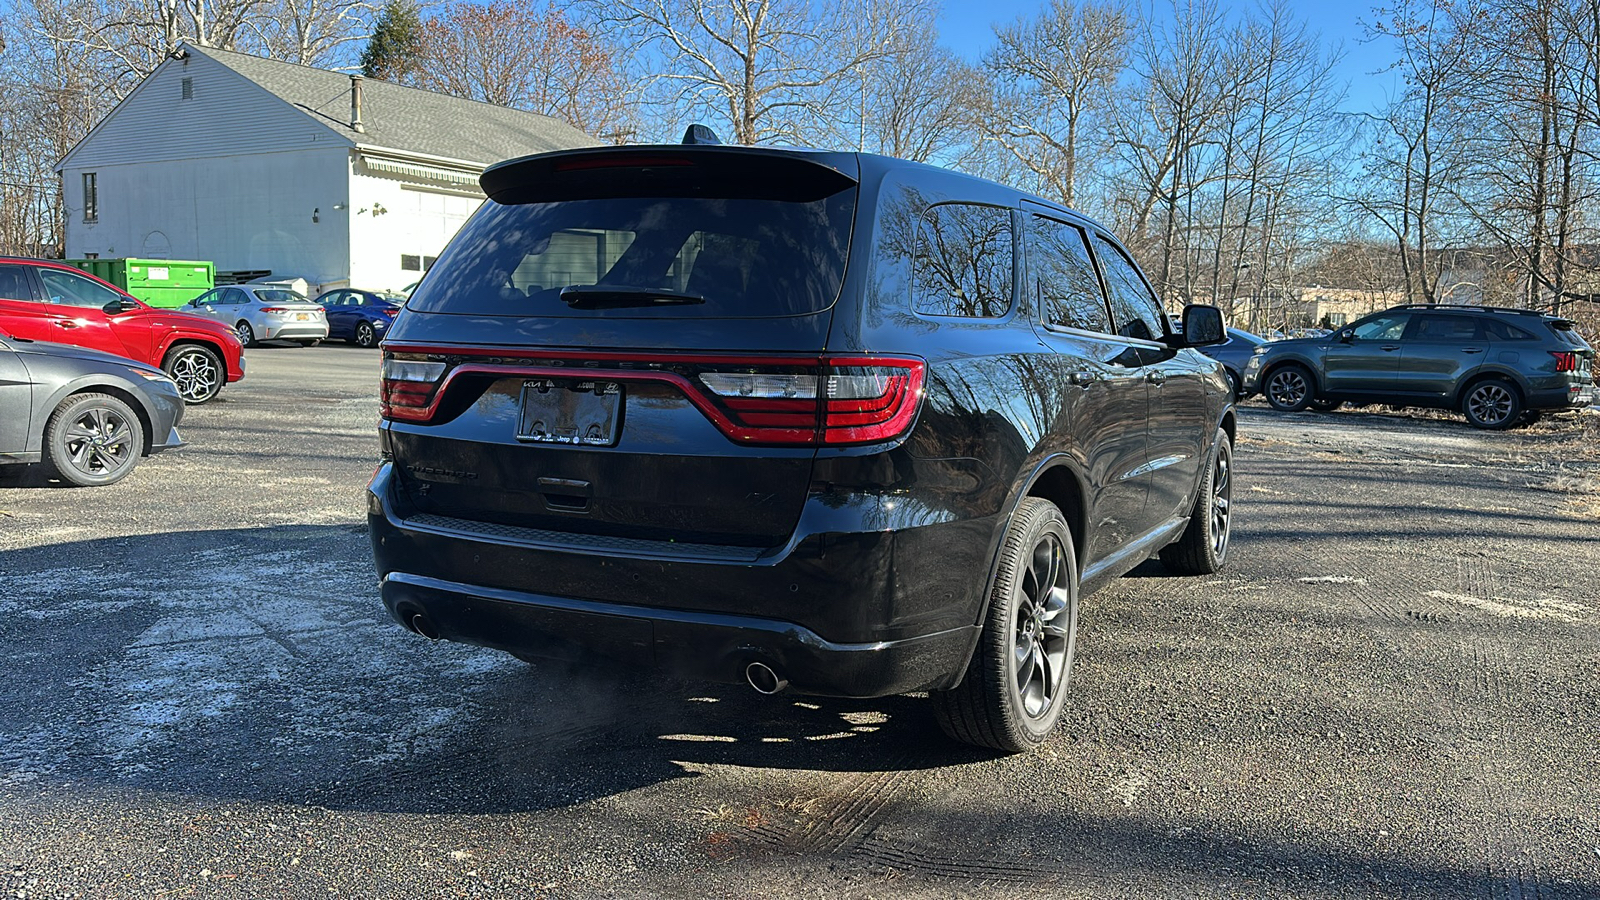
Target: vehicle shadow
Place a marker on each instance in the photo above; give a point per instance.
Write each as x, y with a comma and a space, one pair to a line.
259, 664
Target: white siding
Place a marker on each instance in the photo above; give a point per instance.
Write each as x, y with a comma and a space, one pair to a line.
226, 113
250, 211
416, 221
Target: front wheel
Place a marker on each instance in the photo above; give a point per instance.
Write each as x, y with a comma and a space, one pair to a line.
1203, 548
197, 370
1492, 405
1014, 688
1289, 389
92, 440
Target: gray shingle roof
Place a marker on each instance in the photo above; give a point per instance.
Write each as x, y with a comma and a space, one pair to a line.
405, 118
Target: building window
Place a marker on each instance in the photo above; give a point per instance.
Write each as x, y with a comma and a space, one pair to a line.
428, 261
410, 263
91, 198
188, 89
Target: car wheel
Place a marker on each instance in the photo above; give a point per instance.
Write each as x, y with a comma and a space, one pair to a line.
1493, 404
1289, 389
92, 440
1322, 405
365, 336
1234, 387
1203, 548
247, 335
1012, 693
197, 370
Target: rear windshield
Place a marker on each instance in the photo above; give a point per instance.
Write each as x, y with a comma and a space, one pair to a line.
280, 296
741, 257
1568, 334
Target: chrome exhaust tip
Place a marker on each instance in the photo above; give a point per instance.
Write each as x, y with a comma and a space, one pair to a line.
763, 680
420, 624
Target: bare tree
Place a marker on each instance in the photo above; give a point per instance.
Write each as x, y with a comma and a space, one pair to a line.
313, 32
919, 101
774, 70
1052, 74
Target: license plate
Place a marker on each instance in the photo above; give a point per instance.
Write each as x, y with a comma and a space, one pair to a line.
302, 317
575, 412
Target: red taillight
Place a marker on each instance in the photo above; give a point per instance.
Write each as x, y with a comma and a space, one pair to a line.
408, 385
391, 313
1566, 360
273, 309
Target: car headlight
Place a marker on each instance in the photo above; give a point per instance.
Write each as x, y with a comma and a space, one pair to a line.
1254, 363
155, 376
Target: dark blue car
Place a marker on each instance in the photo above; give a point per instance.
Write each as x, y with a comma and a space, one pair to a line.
360, 317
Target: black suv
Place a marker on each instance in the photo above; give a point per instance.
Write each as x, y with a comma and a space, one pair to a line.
824, 420
1499, 367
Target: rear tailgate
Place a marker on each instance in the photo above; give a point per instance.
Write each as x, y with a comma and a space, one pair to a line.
625, 345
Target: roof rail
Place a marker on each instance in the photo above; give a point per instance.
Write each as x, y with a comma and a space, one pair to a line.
1451, 307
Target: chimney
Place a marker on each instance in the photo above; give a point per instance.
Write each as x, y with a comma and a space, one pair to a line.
355, 105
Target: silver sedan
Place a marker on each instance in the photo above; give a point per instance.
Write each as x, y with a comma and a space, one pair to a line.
263, 312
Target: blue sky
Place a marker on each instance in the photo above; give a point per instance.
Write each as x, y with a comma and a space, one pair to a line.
967, 28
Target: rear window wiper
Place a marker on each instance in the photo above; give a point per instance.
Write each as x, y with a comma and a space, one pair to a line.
588, 296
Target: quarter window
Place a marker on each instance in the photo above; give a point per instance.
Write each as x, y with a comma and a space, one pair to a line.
1505, 331
1068, 290
14, 284
1135, 313
962, 264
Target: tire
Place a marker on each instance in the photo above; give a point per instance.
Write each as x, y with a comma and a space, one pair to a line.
197, 370
1289, 388
92, 440
1321, 405
365, 335
1493, 404
247, 335
1033, 603
1203, 548
1234, 384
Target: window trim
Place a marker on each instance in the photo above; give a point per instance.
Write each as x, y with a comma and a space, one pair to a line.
1094, 266
1012, 301
91, 197
1166, 328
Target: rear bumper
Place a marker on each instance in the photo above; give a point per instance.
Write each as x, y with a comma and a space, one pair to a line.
882, 612
1574, 396
288, 331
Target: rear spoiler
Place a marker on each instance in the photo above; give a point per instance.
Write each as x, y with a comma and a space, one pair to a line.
671, 170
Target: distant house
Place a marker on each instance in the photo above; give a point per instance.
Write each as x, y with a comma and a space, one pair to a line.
267, 167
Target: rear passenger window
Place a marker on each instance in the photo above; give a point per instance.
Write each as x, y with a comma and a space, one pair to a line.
1068, 291
14, 284
1505, 331
1447, 328
1134, 310
963, 261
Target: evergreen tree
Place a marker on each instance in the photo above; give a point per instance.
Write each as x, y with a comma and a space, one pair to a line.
392, 52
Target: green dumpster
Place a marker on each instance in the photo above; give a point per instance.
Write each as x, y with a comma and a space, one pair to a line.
158, 282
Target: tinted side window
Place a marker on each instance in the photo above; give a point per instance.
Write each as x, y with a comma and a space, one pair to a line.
233, 297
1505, 331
73, 290
14, 284
963, 261
1068, 290
1383, 328
1435, 327
1134, 310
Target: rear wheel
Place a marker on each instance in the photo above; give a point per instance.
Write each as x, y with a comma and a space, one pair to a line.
197, 370
1493, 404
1234, 387
1203, 549
92, 440
1014, 688
365, 335
247, 335
1289, 389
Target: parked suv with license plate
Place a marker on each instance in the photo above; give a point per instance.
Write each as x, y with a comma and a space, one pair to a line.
827, 421
1499, 367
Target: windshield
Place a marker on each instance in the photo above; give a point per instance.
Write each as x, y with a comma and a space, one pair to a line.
742, 257
280, 296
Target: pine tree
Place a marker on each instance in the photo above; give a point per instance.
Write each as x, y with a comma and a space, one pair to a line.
393, 50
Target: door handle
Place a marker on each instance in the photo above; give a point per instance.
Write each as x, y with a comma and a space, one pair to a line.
1155, 377
66, 323
1391, 348
1471, 349
1084, 377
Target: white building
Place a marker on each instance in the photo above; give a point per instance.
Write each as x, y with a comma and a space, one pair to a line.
267, 167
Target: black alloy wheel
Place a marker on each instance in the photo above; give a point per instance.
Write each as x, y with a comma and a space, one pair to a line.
366, 336
1289, 389
1013, 691
1492, 405
93, 440
1203, 548
197, 370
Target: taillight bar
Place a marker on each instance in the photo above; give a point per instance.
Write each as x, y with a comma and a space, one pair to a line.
781, 400
1566, 360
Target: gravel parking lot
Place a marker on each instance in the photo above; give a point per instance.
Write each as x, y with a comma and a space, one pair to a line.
1391, 693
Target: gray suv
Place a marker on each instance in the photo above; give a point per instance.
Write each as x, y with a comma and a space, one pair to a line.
1499, 367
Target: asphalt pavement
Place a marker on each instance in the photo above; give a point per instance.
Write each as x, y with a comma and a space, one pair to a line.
1390, 692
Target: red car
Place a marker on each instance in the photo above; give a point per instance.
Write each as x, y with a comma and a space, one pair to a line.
48, 301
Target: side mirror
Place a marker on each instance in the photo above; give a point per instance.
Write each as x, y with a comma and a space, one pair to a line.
1202, 326
119, 306
1346, 336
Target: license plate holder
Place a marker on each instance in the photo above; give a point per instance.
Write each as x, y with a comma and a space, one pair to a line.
583, 413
